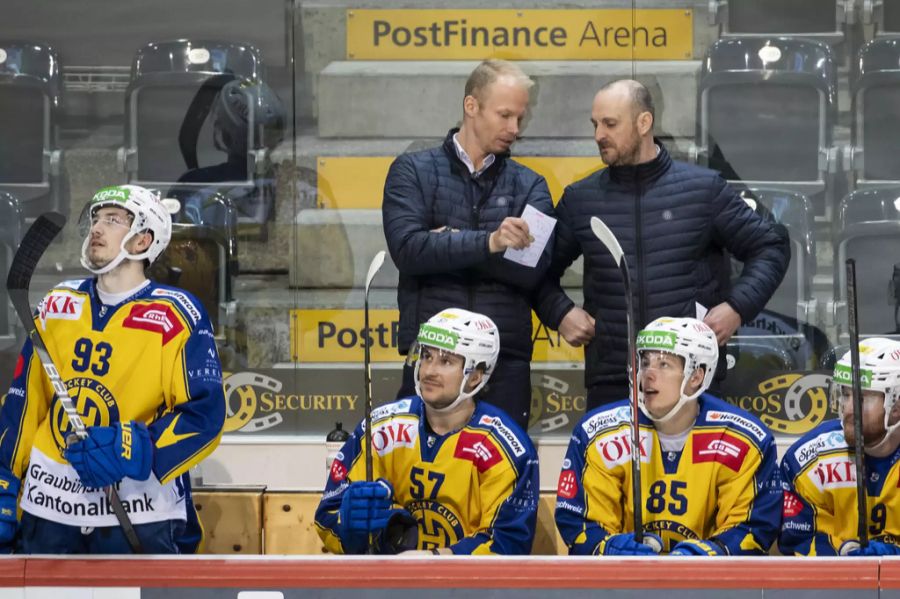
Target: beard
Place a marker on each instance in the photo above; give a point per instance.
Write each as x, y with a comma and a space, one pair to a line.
626, 154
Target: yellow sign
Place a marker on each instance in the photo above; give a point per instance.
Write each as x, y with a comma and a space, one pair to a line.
358, 181
339, 336
540, 34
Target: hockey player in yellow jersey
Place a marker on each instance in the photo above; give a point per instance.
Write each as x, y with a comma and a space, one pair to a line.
140, 364
454, 475
709, 477
819, 470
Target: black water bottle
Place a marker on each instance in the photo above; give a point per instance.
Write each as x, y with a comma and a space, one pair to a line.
333, 443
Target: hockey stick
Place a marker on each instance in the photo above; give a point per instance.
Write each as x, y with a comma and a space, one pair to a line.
374, 266
859, 457
36, 240
603, 233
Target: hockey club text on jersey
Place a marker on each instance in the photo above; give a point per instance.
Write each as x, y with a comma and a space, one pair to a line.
62, 305
505, 433
719, 447
821, 443
477, 449
183, 300
606, 419
392, 434
157, 318
615, 449
833, 473
749, 425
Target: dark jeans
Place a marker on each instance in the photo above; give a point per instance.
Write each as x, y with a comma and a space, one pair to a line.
45, 536
509, 388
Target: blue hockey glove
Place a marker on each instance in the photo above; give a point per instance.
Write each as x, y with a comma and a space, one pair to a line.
624, 544
365, 508
874, 548
401, 533
111, 453
697, 547
9, 494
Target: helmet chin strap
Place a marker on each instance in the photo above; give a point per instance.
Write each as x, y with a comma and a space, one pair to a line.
123, 254
463, 395
682, 400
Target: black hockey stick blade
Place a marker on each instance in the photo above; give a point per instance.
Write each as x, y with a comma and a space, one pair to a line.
856, 382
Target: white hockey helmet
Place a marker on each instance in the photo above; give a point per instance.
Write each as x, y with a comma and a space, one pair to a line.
148, 214
473, 336
689, 338
879, 370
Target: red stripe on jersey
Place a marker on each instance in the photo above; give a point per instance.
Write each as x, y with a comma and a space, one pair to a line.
568, 484
478, 449
720, 447
157, 318
791, 505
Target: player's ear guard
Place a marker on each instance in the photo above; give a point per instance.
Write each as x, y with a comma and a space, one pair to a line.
401, 533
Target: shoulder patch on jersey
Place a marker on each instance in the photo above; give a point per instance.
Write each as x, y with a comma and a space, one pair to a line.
723, 448
567, 487
808, 451
396, 407
744, 423
615, 448
833, 473
478, 449
61, 304
156, 318
504, 432
606, 419
791, 505
391, 434
183, 300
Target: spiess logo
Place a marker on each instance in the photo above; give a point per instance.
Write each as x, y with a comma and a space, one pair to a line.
791, 403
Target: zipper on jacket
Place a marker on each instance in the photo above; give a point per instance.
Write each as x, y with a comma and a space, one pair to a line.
639, 254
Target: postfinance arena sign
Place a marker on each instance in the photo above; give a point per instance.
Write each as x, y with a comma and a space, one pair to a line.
340, 336
543, 34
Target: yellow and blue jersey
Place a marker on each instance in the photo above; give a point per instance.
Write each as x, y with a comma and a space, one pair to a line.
723, 486
151, 358
474, 490
820, 509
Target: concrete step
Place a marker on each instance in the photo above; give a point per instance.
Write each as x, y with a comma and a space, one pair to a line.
420, 98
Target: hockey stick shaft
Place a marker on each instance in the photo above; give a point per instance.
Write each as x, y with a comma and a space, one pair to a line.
374, 267
608, 238
18, 281
859, 455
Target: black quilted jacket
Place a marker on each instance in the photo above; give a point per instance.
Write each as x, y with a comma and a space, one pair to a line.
433, 189
675, 222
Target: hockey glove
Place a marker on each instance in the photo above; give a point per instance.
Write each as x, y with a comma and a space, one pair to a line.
874, 548
365, 508
111, 453
625, 544
697, 547
9, 494
401, 533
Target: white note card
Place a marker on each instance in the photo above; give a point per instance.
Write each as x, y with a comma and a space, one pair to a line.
540, 226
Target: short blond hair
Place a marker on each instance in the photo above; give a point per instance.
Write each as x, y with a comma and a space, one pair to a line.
489, 71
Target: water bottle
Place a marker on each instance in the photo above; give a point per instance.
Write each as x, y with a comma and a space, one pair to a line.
333, 443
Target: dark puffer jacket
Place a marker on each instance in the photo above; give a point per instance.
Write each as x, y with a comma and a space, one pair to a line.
432, 189
675, 223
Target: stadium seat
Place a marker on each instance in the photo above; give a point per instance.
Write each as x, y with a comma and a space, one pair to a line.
11, 230
819, 19
30, 90
766, 114
199, 114
869, 232
793, 298
202, 256
873, 159
883, 14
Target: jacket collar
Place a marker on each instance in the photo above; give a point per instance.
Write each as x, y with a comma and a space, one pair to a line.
457, 164
645, 171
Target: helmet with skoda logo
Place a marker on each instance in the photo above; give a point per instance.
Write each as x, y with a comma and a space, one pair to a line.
148, 215
879, 370
689, 338
473, 336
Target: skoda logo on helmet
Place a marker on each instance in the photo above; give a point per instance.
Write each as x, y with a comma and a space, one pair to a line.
438, 337
111, 193
660, 339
